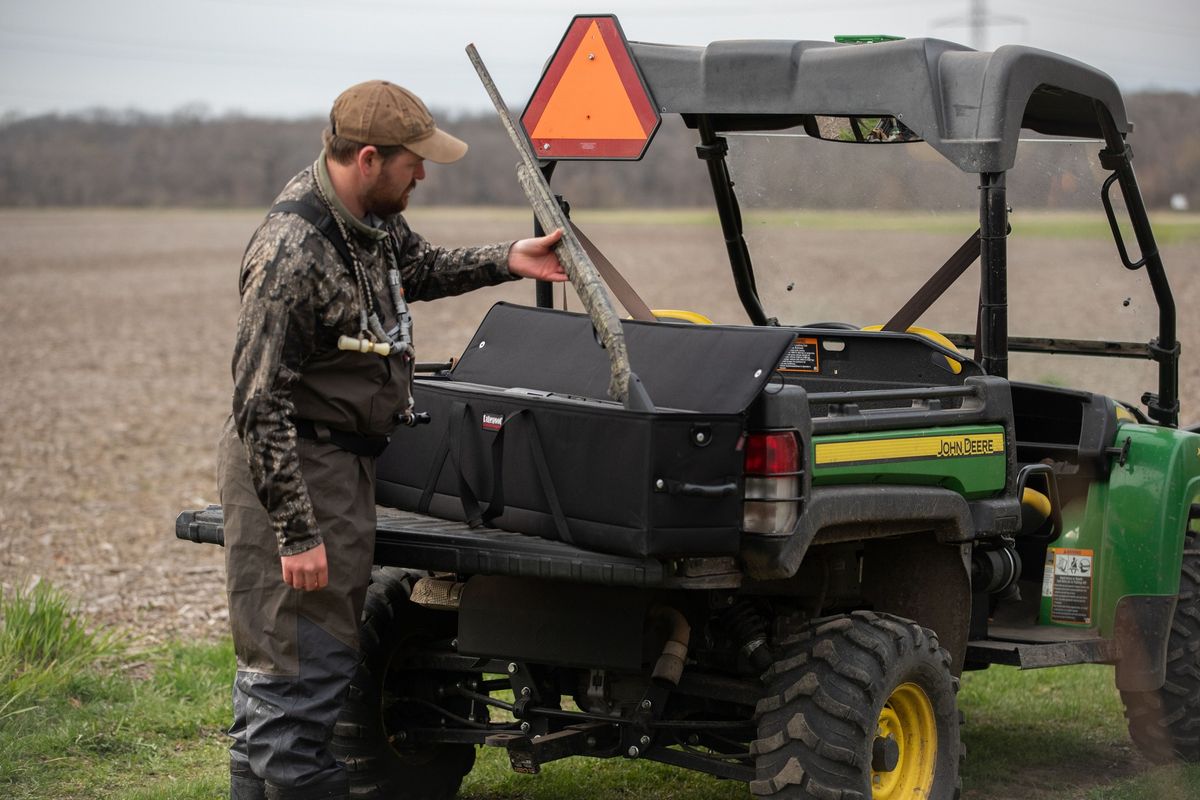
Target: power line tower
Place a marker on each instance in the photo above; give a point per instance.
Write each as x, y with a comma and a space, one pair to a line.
978, 20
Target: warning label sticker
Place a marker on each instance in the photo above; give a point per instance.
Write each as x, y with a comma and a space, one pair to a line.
801, 357
1071, 599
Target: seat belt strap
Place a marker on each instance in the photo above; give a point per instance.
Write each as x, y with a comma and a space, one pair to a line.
625, 293
936, 286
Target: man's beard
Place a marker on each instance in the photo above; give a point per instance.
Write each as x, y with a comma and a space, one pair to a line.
383, 200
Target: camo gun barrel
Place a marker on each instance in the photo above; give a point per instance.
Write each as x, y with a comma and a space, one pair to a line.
623, 385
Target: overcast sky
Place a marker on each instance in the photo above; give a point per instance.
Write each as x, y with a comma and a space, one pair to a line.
292, 57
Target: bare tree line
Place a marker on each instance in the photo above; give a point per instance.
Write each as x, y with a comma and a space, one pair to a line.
190, 159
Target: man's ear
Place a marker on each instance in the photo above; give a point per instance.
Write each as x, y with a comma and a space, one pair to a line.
368, 161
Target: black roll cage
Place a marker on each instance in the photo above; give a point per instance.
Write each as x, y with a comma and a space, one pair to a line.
1022, 84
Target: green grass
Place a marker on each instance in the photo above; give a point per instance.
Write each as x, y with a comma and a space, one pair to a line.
1066, 719
615, 779
1169, 228
43, 644
87, 717
1164, 783
1057, 733
83, 717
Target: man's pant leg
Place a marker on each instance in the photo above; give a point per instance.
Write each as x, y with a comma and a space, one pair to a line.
297, 651
289, 718
243, 783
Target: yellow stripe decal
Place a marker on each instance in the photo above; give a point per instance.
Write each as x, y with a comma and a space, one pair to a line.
975, 444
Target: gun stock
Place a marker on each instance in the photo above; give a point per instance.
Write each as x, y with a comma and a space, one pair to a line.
623, 383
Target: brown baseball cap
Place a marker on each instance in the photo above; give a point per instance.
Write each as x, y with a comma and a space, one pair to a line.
384, 114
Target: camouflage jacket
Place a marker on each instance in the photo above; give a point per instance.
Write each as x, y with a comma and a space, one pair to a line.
297, 298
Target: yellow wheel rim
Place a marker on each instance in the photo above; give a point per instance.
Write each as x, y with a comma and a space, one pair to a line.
908, 721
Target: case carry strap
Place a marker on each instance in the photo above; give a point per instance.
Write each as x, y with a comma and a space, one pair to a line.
439, 463
460, 414
452, 448
496, 506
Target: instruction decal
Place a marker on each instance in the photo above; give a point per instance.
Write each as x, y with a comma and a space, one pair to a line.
1071, 590
801, 357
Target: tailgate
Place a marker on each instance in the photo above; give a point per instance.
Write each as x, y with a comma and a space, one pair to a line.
417, 541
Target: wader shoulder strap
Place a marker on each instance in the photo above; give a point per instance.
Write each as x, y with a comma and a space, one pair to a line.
322, 220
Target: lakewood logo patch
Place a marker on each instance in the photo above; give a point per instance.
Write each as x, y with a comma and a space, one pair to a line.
492, 421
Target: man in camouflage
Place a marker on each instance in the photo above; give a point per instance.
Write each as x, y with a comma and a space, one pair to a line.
314, 399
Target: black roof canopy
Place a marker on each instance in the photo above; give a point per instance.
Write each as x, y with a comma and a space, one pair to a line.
968, 105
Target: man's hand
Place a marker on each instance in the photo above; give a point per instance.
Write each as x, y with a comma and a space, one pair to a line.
535, 258
308, 570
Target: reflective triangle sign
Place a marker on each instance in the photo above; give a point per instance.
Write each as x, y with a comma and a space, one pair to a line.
591, 101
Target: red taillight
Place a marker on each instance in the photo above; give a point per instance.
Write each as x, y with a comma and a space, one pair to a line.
772, 483
772, 454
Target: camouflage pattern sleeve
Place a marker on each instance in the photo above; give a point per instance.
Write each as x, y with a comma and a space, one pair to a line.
276, 333
430, 272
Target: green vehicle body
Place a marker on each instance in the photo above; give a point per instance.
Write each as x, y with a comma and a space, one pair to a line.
1134, 523
969, 460
1131, 526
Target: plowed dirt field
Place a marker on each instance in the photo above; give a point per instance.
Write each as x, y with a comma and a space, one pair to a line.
115, 337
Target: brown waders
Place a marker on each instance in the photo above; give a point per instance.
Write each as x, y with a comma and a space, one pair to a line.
298, 650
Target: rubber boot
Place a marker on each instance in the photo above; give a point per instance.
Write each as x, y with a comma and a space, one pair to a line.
245, 785
335, 788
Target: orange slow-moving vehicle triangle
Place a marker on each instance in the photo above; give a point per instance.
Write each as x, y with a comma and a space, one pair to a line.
591, 102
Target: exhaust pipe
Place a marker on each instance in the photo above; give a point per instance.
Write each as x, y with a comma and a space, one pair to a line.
669, 667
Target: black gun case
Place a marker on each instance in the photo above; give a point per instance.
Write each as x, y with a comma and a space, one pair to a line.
521, 437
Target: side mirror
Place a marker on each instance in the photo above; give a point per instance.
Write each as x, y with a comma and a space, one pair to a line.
861, 130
